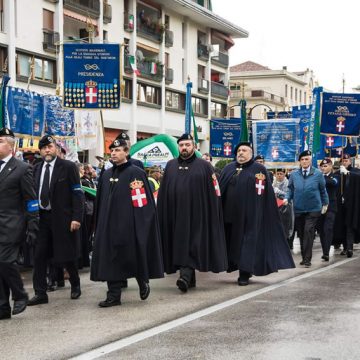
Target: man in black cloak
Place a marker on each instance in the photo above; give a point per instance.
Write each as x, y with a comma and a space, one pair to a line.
127, 241
190, 216
256, 242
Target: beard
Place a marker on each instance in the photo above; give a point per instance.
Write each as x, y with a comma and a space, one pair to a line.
186, 154
49, 158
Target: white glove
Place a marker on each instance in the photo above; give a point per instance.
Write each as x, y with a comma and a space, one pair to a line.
324, 209
285, 202
343, 170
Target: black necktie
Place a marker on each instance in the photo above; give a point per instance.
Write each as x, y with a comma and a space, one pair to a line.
1, 162
45, 189
304, 173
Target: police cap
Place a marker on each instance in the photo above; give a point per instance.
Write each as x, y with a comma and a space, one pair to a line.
46, 140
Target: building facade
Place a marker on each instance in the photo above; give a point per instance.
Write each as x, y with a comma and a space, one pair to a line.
171, 40
268, 90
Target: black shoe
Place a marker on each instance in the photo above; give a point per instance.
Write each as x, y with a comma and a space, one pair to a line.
19, 306
349, 253
123, 284
243, 279
75, 292
61, 283
336, 247
307, 264
144, 289
302, 262
5, 315
51, 286
325, 257
109, 303
38, 299
343, 252
182, 284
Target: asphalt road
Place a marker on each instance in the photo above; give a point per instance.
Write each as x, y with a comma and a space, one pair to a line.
294, 314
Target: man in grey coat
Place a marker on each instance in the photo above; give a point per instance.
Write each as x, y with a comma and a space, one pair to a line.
18, 214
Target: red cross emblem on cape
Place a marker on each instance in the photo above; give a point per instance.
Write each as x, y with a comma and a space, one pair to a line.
138, 195
260, 183
216, 185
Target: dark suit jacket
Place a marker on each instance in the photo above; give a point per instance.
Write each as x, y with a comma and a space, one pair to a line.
66, 199
18, 207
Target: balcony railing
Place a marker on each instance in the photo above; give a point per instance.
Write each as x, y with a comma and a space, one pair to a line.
169, 38
107, 13
50, 39
203, 85
84, 7
220, 59
258, 94
150, 70
128, 22
220, 90
203, 52
151, 31
169, 75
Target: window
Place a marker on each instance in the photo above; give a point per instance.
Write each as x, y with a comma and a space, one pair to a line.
291, 92
127, 89
105, 36
218, 110
286, 91
2, 24
148, 94
174, 100
44, 69
199, 105
167, 22
183, 71
3, 60
300, 94
48, 20
296, 92
183, 31
305, 99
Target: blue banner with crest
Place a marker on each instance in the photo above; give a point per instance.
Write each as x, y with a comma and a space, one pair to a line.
277, 140
224, 136
91, 76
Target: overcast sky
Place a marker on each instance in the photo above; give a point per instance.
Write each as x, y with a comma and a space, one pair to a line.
319, 35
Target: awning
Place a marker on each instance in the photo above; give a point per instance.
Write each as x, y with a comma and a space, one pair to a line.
228, 40
147, 47
82, 18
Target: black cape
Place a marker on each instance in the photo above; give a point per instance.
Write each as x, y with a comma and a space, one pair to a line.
127, 238
256, 241
190, 217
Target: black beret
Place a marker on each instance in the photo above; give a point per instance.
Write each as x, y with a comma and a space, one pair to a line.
118, 142
325, 161
123, 136
346, 156
243, 143
185, 137
6, 132
305, 153
259, 157
46, 140
280, 170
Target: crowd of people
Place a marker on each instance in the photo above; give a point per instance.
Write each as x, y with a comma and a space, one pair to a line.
125, 222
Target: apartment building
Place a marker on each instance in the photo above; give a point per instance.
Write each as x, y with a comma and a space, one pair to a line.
171, 40
268, 90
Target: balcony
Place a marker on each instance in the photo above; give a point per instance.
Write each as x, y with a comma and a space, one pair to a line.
127, 67
220, 59
203, 86
107, 13
50, 39
151, 31
259, 95
169, 75
219, 90
169, 38
150, 70
203, 52
128, 22
84, 7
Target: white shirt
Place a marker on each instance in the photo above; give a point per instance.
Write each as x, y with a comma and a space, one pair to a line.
51, 169
5, 161
307, 171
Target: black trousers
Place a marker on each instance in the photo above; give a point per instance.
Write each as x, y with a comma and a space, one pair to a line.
44, 252
10, 279
305, 225
114, 290
326, 231
349, 239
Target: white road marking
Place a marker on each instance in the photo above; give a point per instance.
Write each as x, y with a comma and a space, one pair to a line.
130, 340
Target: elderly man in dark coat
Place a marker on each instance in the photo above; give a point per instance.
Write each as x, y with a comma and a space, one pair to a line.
57, 183
190, 216
255, 238
18, 213
127, 240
